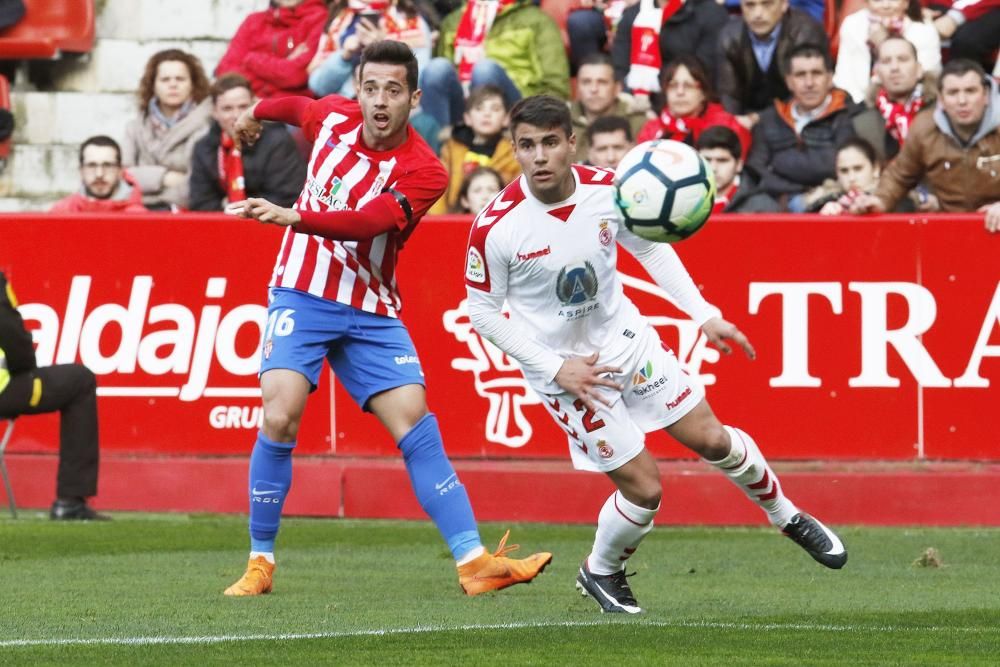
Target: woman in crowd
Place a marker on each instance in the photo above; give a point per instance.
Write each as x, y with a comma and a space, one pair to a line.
858, 169
174, 112
690, 106
862, 32
354, 24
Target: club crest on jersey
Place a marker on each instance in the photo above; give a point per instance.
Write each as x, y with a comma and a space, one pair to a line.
475, 268
604, 449
605, 234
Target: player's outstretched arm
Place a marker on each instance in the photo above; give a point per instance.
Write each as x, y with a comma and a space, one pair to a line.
719, 330
264, 211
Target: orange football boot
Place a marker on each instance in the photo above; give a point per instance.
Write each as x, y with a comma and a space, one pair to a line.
491, 572
256, 580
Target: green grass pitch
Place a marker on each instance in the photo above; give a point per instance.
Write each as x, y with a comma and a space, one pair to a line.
147, 589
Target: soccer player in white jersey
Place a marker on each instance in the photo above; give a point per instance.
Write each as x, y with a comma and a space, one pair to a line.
547, 244
333, 294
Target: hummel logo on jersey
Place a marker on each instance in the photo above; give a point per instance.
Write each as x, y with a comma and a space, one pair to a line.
524, 257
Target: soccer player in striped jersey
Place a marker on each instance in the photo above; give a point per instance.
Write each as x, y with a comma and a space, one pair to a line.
333, 294
547, 244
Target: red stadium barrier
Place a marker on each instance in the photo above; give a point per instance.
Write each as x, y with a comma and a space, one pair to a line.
877, 338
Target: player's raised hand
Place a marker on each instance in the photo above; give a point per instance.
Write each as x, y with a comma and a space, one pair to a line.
581, 377
265, 211
247, 129
719, 330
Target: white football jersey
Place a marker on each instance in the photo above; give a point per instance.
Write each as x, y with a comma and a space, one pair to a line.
556, 264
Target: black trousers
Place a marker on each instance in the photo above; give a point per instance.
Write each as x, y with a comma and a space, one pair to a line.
72, 390
978, 39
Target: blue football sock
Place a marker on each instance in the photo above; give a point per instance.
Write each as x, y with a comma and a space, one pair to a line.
438, 488
270, 480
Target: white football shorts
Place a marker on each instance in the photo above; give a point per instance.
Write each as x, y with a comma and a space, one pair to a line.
657, 392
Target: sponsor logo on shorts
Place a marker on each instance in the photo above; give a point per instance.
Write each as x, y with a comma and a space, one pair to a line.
604, 449
677, 401
644, 383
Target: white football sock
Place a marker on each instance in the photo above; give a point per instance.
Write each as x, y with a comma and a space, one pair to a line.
748, 469
620, 528
268, 555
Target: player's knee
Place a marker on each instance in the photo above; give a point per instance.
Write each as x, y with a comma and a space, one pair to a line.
280, 425
714, 443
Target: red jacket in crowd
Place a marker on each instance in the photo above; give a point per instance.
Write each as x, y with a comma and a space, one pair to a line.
126, 199
272, 48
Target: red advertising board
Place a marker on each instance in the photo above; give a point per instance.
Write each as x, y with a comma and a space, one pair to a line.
877, 338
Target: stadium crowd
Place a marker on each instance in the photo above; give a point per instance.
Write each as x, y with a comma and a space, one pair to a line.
890, 107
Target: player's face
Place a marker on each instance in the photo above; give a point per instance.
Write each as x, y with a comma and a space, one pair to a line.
488, 118
386, 102
100, 171
228, 107
897, 68
855, 172
596, 88
481, 190
762, 15
724, 165
809, 81
172, 86
608, 148
545, 155
684, 94
964, 99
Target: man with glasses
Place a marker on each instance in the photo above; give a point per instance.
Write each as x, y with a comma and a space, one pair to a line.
104, 186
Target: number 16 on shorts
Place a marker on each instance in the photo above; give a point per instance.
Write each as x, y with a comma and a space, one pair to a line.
279, 323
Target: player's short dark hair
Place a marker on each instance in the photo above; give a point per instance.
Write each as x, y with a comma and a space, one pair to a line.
482, 93
808, 50
390, 52
898, 38
543, 111
861, 145
720, 136
607, 125
961, 67
596, 58
101, 140
228, 82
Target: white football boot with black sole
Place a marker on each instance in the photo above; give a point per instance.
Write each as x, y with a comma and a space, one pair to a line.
611, 591
819, 541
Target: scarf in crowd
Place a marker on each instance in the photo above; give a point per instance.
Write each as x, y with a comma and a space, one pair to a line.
231, 169
476, 21
898, 116
685, 129
723, 197
396, 24
645, 59
160, 122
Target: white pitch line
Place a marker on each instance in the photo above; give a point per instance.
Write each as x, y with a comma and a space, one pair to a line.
221, 639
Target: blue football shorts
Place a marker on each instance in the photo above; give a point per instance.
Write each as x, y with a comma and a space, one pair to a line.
369, 353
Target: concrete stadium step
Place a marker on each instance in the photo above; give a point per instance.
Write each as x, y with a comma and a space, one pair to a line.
144, 20
40, 171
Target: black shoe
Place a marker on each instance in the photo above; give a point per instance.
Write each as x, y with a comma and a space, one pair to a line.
611, 591
819, 541
75, 510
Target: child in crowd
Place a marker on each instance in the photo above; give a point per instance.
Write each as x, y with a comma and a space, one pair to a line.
736, 190
478, 187
479, 142
858, 169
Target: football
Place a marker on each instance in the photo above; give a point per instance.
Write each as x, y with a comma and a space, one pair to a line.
664, 190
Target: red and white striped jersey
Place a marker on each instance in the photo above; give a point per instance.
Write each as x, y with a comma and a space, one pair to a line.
344, 174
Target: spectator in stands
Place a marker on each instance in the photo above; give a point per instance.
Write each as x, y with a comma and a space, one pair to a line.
954, 149
478, 187
353, 25
70, 389
609, 138
736, 190
222, 172
971, 28
858, 168
752, 50
599, 94
479, 141
508, 43
587, 27
272, 48
174, 113
104, 186
795, 142
690, 106
652, 33
900, 88
862, 32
